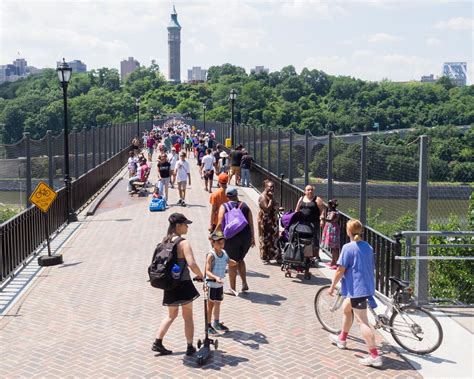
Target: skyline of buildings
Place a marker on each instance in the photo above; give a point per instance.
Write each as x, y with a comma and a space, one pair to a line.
258, 70
76, 65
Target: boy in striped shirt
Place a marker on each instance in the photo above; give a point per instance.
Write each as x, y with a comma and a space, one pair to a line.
216, 264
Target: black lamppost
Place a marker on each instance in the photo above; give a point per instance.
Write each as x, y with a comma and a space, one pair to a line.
204, 107
137, 103
64, 74
232, 97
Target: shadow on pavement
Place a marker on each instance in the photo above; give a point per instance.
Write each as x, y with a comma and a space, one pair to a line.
256, 274
217, 361
251, 340
262, 298
70, 264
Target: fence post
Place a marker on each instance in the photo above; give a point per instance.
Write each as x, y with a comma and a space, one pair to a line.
306, 157
396, 263
255, 144
261, 145
105, 142
278, 164
330, 156
76, 154
290, 158
421, 271
93, 145
50, 159
28, 168
363, 182
84, 141
99, 143
269, 151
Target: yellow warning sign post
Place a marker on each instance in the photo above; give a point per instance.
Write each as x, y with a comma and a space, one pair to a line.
43, 196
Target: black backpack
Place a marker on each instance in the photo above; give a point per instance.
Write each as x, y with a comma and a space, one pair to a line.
159, 271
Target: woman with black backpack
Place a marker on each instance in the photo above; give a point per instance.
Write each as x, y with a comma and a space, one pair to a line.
237, 245
185, 293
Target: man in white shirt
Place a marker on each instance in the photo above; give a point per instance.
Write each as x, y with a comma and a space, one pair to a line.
207, 170
182, 172
173, 158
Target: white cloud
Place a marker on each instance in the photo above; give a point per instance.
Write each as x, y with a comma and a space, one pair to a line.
456, 23
310, 9
382, 38
433, 42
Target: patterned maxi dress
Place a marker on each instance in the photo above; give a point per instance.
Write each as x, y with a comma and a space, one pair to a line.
268, 232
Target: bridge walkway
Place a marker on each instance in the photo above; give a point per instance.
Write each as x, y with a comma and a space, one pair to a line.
96, 315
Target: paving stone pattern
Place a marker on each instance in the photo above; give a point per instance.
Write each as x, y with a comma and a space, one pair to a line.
96, 315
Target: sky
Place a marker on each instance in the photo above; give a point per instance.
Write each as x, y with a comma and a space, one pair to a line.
371, 39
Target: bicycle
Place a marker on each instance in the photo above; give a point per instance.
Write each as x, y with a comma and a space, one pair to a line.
412, 327
42, 193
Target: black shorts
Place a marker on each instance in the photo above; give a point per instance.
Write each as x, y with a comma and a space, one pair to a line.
359, 302
208, 174
238, 246
216, 294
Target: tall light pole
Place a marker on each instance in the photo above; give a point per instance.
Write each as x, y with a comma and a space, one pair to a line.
137, 103
64, 74
232, 97
204, 107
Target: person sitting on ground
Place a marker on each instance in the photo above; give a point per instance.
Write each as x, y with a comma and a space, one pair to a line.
185, 293
356, 269
140, 175
218, 198
238, 245
216, 264
207, 170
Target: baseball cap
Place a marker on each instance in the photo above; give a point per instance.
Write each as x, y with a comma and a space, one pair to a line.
231, 192
178, 218
216, 236
223, 178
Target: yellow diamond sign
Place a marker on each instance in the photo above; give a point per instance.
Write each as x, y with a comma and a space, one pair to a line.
43, 196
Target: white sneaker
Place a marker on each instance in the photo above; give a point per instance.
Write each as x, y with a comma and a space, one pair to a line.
371, 361
334, 338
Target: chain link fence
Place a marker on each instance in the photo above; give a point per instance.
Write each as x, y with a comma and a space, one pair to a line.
385, 197
27, 162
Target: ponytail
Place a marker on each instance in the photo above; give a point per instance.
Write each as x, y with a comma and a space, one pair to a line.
355, 228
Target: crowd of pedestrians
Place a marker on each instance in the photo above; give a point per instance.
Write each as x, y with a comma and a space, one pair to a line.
232, 231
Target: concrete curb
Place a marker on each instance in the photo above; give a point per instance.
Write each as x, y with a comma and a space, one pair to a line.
103, 193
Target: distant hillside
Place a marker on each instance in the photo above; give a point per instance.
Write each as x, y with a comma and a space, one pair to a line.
309, 100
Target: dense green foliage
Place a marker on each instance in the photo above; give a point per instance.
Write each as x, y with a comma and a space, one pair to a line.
309, 100
392, 158
7, 212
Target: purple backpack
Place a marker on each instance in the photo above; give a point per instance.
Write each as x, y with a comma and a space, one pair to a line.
234, 220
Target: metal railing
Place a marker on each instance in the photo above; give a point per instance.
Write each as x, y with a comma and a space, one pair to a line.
386, 250
23, 234
442, 268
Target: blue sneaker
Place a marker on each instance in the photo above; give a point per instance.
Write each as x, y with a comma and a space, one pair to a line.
220, 327
211, 330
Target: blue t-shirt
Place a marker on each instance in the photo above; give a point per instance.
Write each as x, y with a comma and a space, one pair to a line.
358, 260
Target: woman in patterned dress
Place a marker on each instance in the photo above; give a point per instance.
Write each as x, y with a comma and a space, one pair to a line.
268, 223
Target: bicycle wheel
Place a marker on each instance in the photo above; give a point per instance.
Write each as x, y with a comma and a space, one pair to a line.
416, 330
328, 310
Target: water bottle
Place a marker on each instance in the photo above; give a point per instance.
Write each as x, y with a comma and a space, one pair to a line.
372, 302
176, 271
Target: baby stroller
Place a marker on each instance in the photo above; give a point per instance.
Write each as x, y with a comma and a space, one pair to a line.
296, 244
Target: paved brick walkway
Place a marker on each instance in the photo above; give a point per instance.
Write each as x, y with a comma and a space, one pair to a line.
97, 316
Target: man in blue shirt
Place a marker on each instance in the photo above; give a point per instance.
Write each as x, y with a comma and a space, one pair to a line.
356, 269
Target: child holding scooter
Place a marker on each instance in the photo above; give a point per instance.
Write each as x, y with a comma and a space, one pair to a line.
216, 264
